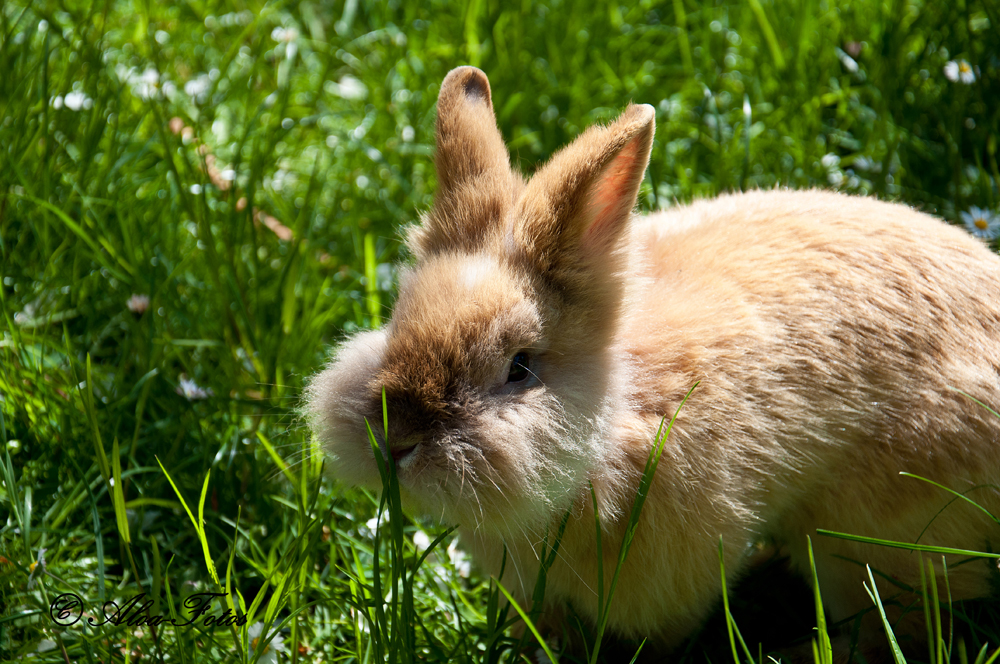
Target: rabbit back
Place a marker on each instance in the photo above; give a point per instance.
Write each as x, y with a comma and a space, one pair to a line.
829, 336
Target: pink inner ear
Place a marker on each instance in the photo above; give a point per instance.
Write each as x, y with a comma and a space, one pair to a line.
611, 198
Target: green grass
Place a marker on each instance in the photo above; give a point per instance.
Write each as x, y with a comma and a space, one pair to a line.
247, 167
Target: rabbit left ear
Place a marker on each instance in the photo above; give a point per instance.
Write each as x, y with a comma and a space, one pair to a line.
469, 145
577, 206
476, 185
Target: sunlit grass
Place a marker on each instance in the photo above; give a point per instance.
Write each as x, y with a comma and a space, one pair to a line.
196, 199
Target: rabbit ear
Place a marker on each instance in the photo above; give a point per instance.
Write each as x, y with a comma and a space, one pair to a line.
476, 185
468, 141
577, 206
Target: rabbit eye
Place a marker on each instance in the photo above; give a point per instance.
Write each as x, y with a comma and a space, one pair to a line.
518, 368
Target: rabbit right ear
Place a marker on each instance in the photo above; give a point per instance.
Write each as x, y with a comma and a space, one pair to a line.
475, 181
576, 208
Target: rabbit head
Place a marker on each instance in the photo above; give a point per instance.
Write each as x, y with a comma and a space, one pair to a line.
497, 364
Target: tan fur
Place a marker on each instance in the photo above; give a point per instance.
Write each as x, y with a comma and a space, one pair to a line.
826, 332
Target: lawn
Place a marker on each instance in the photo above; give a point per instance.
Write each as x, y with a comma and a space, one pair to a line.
197, 199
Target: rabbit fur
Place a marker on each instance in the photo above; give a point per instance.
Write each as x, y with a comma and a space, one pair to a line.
825, 333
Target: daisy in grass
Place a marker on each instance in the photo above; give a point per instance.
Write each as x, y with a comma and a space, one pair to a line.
421, 541
191, 390
269, 654
981, 223
959, 70
138, 303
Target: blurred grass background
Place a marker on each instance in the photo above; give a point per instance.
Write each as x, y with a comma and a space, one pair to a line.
201, 196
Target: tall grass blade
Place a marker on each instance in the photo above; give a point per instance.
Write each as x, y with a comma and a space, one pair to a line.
731, 628
966, 394
371, 281
635, 657
682, 36
157, 575
528, 622
201, 530
951, 621
926, 602
199, 522
88, 401
278, 461
117, 494
652, 461
872, 591
823, 650
981, 657
937, 640
957, 494
769, 36
906, 545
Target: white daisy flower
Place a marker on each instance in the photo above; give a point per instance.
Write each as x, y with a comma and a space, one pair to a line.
76, 100
959, 71
197, 88
269, 654
147, 84
280, 34
421, 541
348, 87
981, 223
138, 303
191, 391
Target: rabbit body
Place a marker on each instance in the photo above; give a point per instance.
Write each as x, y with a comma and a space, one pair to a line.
544, 331
826, 332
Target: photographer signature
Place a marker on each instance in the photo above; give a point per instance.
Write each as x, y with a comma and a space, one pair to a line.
67, 609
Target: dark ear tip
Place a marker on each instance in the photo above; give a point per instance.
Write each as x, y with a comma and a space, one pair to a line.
471, 81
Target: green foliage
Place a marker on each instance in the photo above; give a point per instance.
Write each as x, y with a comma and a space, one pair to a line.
197, 198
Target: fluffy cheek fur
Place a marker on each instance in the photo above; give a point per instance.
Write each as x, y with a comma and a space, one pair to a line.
336, 407
510, 471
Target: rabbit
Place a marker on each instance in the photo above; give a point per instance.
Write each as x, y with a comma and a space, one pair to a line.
542, 332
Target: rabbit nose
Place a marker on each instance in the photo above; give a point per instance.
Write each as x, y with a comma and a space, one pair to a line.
411, 418
399, 446
406, 430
